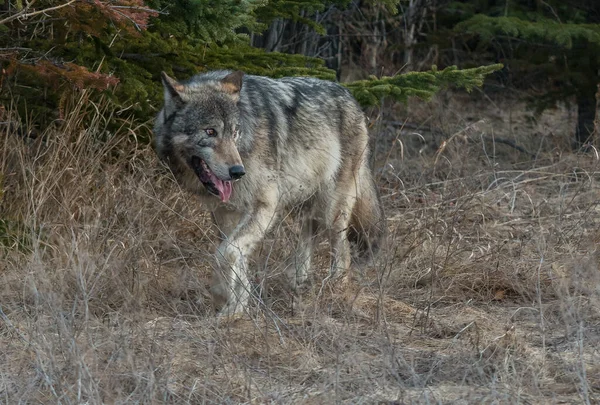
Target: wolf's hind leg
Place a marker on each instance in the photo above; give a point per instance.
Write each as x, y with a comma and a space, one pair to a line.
297, 272
338, 219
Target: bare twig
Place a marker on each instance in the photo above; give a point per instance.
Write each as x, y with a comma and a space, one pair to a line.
19, 14
23, 13
145, 9
137, 27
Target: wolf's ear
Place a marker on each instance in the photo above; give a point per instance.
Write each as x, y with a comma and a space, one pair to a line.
232, 83
173, 89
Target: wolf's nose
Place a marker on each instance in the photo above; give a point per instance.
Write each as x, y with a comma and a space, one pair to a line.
236, 171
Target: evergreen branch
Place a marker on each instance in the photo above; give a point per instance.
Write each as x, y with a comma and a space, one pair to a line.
418, 84
543, 30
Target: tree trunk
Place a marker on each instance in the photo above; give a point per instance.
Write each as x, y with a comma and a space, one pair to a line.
414, 18
586, 112
274, 35
596, 134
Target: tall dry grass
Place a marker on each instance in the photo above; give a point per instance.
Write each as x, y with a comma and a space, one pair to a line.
487, 291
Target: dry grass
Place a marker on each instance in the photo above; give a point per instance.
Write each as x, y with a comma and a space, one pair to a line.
488, 290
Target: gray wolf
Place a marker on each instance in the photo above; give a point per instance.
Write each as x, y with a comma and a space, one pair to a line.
253, 147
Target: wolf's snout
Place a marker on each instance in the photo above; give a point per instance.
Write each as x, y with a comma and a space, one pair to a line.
237, 171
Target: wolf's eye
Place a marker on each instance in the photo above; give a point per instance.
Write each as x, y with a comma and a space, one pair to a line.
210, 132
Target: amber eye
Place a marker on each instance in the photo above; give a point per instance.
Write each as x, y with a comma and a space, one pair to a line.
210, 132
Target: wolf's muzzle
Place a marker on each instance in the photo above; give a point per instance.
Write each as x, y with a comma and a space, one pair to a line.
236, 172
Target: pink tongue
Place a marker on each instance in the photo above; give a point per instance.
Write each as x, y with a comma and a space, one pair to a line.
224, 187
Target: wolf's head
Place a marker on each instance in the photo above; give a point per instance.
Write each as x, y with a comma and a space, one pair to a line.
197, 129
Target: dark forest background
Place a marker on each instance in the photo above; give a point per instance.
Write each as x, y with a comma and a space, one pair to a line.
50, 49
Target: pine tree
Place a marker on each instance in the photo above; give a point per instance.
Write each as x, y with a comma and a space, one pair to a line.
553, 45
122, 46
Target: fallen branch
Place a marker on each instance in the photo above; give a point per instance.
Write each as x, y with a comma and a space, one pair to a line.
504, 141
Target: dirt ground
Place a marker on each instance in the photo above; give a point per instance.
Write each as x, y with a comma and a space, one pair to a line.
487, 289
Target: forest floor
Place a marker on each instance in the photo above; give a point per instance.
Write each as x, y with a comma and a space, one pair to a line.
487, 289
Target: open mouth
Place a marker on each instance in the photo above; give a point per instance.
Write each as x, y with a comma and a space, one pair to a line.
209, 179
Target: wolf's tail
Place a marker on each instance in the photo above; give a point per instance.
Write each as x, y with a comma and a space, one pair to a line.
367, 223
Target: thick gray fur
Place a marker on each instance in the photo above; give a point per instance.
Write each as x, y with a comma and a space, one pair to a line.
302, 142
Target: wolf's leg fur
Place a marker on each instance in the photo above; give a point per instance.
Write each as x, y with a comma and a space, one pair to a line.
367, 224
297, 272
231, 286
225, 221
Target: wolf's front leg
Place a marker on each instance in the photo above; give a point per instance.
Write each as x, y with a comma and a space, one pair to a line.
231, 286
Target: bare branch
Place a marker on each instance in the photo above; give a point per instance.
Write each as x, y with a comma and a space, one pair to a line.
23, 13
149, 10
137, 27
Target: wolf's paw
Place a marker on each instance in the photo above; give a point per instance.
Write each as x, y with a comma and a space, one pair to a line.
231, 312
336, 274
296, 281
296, 276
